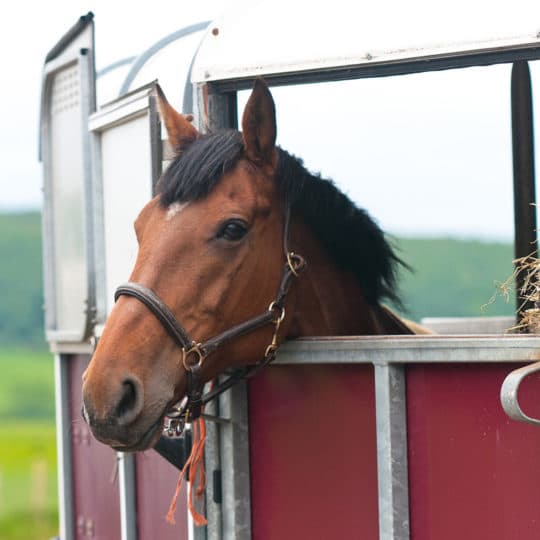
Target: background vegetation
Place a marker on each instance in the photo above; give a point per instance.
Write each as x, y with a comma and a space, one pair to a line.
28, 490
451, 278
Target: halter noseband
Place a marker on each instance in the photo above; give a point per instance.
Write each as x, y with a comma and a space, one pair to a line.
194, 354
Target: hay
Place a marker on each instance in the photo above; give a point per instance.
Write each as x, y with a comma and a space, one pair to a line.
528, 269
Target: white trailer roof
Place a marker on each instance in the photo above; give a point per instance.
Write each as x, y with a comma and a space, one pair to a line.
281, 38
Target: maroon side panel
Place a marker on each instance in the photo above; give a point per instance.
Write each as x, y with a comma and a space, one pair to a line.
473, 473
313, 453
156, 483
95, 485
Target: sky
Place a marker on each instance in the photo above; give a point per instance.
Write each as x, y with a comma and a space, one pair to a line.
425, 154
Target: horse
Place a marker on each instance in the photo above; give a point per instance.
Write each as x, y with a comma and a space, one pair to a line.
247, 249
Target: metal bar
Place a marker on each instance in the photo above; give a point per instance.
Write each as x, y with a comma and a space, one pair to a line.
222, 111
68, 38
410, 349
382, 69
234, 450
63, 448
509, 393
115, 65
524, 177
128, 494
155, 48
213, 465
392, 467
156, 145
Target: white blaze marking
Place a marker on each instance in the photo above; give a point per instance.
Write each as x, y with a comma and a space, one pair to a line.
175, 208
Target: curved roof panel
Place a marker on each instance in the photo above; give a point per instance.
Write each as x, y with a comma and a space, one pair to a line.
279, 38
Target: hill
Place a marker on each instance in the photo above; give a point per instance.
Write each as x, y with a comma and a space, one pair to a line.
454, 277
21, 306
451, 278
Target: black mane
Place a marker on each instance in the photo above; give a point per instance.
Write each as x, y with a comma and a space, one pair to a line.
348, 233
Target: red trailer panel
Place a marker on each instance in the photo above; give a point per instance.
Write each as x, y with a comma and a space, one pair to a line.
313, 455
156, 483
473, 472
96, 497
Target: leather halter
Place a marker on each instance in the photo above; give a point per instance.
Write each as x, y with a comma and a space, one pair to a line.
194, 354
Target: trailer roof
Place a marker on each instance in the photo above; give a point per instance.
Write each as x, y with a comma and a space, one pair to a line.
338, 40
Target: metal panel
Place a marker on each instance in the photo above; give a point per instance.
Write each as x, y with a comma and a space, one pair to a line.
67, 99
313, 455
127, 168
473, 473
410, 349
344, 41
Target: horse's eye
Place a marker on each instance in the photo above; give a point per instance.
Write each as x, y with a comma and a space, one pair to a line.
233, 230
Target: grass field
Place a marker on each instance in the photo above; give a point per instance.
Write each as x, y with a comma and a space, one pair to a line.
28, 490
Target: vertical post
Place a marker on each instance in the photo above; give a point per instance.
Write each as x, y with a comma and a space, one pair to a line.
128, 490
392, 466
212, 459
524, 176
235, 479
63, 447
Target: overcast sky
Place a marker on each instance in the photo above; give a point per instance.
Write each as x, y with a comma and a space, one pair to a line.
425, 154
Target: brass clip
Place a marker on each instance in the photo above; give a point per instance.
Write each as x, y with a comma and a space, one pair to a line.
195, 349
272, 348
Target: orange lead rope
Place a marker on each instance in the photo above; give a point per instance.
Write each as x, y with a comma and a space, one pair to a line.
195, 462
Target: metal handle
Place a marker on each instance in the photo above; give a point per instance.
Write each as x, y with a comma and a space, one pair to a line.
509, 393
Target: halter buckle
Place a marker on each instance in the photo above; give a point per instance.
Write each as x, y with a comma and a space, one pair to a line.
174, 427
296, 262
195, 349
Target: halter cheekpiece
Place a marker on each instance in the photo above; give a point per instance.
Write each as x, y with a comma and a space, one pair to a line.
193, 354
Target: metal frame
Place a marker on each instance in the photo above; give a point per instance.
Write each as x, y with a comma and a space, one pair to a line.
141, 60
417, 58
68, 52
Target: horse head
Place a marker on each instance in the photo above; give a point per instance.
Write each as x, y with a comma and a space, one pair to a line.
213, 253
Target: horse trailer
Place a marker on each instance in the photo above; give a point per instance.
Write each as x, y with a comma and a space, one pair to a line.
366, 437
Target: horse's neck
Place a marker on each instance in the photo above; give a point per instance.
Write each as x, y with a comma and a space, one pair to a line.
329, 301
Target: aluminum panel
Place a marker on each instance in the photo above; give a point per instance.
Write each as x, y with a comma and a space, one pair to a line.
338, 36
67, 100
125, 176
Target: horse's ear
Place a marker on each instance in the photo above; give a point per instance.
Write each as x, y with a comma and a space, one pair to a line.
181, 133
259, 125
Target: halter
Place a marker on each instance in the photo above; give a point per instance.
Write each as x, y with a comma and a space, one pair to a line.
193, 354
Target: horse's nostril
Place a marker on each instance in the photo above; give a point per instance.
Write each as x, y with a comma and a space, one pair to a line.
130, 404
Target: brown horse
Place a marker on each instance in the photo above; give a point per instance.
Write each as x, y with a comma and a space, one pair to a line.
213, 246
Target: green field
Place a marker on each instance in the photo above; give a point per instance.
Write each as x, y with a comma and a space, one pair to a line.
28, 489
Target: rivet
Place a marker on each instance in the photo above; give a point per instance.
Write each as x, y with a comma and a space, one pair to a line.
215, 31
